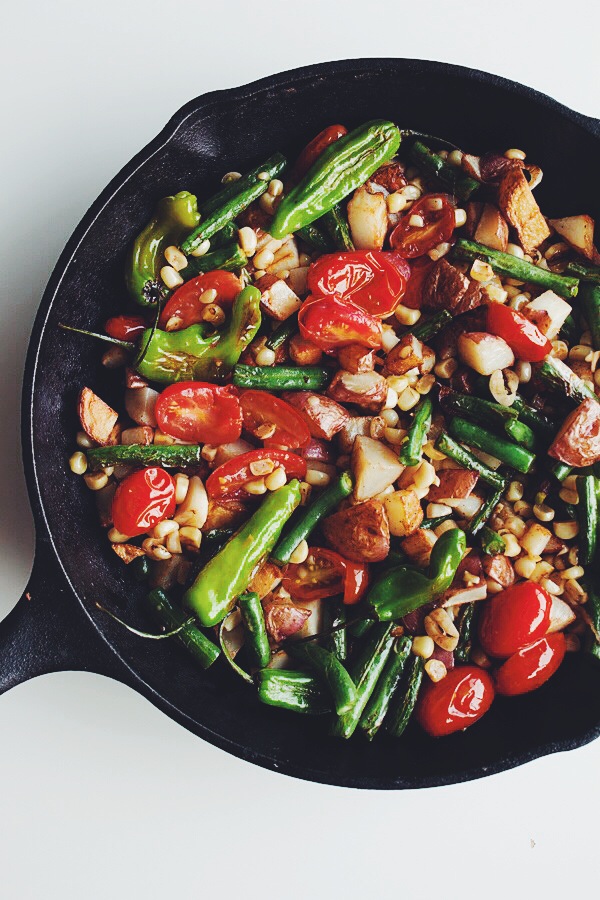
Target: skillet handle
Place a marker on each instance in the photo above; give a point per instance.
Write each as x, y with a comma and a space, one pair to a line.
47, 631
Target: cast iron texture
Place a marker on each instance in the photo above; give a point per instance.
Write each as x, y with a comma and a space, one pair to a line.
59, 626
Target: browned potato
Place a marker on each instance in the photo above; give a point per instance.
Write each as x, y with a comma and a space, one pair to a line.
418, 546
367, 219
390, 176
520, 208
499, 568
303, 353
578, 231
484, 352
127, 552
492, 229
225, 514
141, 434
409, 353
366, 389
447, 288
454, 484
355, 358
404, 512
277, 300
97, 418
360, 533
352, 428
323, 416
375, 467
578, 441
266, 578
283, 619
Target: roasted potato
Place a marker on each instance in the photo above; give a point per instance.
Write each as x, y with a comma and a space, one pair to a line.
445, 287
374, 466
225, 514
303, 353
97, 418
484, 352
367, 389
367, 218
323, 416
520, 208
352, 428
409, 353
360, 533
127, 552
277, 300
492, 229
578, 231
454, 484
355, 358
265, 579
404, 512
578, 440
418, 546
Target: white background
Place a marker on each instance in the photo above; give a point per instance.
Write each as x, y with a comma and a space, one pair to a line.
100, 794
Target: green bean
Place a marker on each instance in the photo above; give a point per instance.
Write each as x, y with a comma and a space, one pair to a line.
513, 267
365, 674
315, 238
539, 423
232, 200
283, 332
426, 330
411, 451
484, 512
378, 705
520, 433
561, 470
145, 455
308, 517
257, 640
400, 713
587, 515
338, 639
590, 306
292, 690
432, 524
231, 257
560, 377
467, 460
331, 672
462, 652
512, 454
281, 378
461, 185
590, 274
483, 412
336, 223
491, 542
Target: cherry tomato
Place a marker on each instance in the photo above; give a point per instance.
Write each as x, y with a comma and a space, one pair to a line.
185, 302
260, 409
142, 500
236, 472
412, 240
330, 323
457, 701
125, 328
372, 279
324, 574
513, 618
523, 337
419, 270
200, 412
314, 148
531, 666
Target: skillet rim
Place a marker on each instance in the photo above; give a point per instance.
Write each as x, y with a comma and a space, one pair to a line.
279, 82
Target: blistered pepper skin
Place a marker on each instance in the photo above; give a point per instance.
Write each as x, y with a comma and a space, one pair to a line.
339, 170
196, 354
173, 218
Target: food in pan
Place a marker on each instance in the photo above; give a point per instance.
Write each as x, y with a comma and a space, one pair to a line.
355, 453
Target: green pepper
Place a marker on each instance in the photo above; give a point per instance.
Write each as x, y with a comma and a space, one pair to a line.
226, 575
196, 354
404, 589
172, 219
339, 170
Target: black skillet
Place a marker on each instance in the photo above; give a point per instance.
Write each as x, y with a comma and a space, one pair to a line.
56, 625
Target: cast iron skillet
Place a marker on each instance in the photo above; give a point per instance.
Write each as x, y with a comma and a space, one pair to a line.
56, 626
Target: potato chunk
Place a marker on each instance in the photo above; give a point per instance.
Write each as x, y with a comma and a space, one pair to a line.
404, 512
375, 467
97, 418
520, 208
360, 533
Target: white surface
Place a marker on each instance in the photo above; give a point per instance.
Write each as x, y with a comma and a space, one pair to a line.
101, 795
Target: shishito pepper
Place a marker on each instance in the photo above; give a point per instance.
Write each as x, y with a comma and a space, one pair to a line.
173, 218
198, 353
339, 170
226, 575
404, 589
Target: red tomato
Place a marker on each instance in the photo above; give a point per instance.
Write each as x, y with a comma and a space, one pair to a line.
200, 412
313, 150
523, 337
330, 323
125, 328
236, 472
324, 574
531, 666
185, 302
142, 500
260, 409
457, 701
513, 618
372, 279
419, 270
410, 240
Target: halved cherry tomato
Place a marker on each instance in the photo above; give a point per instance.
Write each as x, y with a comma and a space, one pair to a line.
325, 574
236, 472
330, 323
185, 302
375, 280
260, 409
200, 412
513, 618
142, 500
314, 148
125, 328
531, 666
457, 701
419, 270
523, 337
412, 240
